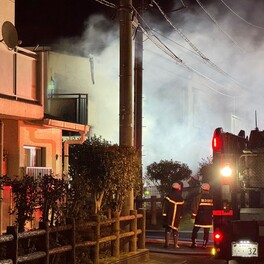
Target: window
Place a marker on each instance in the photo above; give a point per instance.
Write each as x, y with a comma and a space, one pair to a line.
34, 156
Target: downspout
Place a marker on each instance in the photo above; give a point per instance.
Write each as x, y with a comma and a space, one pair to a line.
66, 151
1, 169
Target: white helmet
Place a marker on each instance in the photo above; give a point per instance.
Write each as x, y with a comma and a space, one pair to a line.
205, 186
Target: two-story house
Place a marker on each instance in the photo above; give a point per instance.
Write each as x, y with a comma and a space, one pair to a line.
34, 121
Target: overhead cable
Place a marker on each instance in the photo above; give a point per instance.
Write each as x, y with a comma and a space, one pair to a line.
179, 61
181, 34
214, 20
250, 24
213, 66
106, 3
161, 45
194, 47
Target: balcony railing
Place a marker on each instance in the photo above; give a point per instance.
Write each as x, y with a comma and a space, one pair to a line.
18, 75
37, 172
68, 107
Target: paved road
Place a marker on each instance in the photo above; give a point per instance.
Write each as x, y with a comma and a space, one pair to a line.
163, 258
183, 255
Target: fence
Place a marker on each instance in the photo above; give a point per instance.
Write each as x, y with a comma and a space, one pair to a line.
44, 246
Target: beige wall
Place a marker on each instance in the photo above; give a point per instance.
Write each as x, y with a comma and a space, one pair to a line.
18, 134
72, 74
49, 138
11, 146
7, 12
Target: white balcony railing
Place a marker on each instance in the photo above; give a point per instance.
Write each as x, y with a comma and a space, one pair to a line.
37, 172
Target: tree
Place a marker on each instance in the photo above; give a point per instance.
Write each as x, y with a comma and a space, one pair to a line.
165, 173
205, 169
122, 176
105, 171
52, 194
25, 197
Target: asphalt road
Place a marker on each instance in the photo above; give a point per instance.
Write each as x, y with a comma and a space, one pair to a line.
168, 258
183, 255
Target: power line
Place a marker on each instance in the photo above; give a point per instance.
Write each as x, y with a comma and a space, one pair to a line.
194, 47
179, 61
237, 15
181, 34
165, 49
214, 20
106, 3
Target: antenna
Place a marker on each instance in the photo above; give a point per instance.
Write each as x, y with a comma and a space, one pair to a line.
9, 34
256, 120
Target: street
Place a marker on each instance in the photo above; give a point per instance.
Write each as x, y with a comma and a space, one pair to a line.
163, 258
159, 255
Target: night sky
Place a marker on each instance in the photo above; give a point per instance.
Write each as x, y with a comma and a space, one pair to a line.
43, 21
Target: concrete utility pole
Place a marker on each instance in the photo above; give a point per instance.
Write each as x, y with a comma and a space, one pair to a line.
125, 82
138, 69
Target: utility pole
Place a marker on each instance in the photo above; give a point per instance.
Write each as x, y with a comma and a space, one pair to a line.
138, 69
125, 83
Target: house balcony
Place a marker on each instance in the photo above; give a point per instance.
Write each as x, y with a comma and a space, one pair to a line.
21, 86
38, 172
71, 108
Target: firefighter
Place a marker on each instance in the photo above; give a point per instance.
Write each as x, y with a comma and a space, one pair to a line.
202, 212
172, 211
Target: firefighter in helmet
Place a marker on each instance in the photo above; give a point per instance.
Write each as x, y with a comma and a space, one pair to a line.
172, 211
202, 212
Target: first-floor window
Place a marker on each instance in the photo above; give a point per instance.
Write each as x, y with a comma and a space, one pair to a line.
34, 156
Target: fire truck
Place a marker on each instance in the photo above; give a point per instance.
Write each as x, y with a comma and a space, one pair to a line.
238, 191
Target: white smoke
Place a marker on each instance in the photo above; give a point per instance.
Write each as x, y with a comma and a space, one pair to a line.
181, 108
166, 85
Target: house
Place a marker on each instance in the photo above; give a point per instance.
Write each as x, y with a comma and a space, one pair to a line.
34, 121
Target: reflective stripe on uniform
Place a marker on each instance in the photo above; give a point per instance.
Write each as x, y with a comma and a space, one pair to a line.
171, 201
206, 204
203, 226
174, 211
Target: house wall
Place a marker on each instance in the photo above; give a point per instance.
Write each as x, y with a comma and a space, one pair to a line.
18, 134
74, 74
48, 138
7, 12
22, 110
11, 146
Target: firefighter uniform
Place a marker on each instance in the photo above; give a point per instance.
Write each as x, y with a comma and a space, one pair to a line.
172, 211
202, 211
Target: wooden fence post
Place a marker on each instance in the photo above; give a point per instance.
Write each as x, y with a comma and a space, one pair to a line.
72, 234
97, 235
116, 231
46, 241
138, 202
133, 226
12, 247
142, 226
153, 210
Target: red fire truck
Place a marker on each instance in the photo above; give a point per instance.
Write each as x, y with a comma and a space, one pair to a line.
238, 190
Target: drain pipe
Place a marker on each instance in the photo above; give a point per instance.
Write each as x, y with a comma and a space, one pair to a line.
1, 172
66, 151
